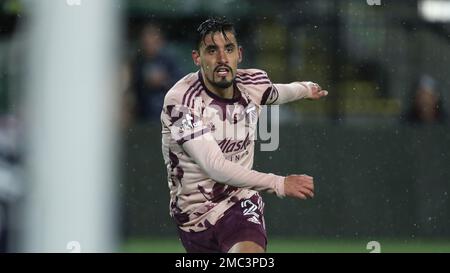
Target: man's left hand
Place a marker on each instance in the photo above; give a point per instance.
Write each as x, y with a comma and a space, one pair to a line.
316, 91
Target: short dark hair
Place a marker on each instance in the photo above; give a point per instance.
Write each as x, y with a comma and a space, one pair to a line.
213, 25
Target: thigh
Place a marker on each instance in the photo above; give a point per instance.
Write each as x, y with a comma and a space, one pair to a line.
246, 247
243, 222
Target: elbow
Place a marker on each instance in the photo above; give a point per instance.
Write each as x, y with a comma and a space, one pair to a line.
214, 170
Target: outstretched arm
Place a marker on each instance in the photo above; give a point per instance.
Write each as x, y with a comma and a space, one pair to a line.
284, 93
209, 157
207, 154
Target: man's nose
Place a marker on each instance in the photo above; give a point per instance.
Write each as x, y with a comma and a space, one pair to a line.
222, 57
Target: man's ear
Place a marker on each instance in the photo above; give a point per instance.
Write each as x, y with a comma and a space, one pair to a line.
240, 52
196, 57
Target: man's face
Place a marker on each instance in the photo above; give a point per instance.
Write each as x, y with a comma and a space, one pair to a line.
218, 57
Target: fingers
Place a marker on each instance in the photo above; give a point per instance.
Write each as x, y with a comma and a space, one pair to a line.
321, 94
309, 186
300, 195
307, 192
300, 186
317, 91
307, 181
303, 194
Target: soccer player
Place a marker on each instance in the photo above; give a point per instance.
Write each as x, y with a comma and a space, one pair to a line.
208, 127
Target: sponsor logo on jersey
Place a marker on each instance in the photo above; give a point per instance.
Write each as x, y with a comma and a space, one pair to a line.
228, 145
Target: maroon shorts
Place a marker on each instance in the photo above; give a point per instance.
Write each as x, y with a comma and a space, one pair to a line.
244, 221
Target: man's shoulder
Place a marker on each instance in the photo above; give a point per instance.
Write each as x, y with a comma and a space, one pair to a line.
176, 94
255, 82
251, 72
253, 76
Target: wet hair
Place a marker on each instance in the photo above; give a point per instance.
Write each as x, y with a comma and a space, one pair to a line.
213, 25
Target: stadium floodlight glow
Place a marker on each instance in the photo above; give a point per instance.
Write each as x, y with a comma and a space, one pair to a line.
435, 10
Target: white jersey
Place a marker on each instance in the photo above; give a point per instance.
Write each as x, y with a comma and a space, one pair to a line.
190, 112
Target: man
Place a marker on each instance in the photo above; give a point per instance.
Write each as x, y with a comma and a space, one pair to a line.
208, 124
154, 71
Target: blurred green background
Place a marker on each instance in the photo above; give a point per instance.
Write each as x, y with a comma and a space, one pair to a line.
302, 245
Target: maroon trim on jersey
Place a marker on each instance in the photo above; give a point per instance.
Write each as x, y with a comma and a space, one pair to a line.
243, 101
223, 108
196, 95
197, 92
236, 92
176, 172
179, 216
252, 82
222, 102
252, 78
243, 74
195, 85
218, 193
269, 93
223, 105
181, 141
170, 112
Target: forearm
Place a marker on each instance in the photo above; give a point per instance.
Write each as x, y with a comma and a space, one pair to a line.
209, 157
292, 91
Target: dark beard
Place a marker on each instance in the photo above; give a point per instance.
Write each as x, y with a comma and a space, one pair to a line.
222, 84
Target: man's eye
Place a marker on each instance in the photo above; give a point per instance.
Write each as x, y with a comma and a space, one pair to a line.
229, 49
212, 50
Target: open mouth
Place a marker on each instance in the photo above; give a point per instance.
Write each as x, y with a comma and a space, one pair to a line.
222, 71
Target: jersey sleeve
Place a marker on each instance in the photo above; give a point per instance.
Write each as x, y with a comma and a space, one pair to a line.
259, 85
207, 154
284, 93
184, 122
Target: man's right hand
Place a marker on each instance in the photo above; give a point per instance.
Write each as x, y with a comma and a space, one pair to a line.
299, 186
